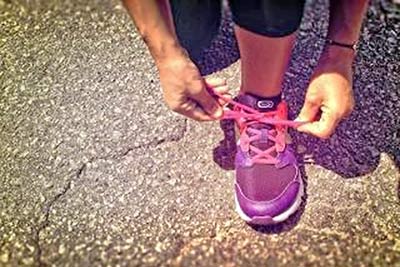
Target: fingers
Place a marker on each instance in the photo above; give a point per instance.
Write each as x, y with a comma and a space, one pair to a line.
332, 114
223, 102
210, 104
219, 85
330, 94
224, 91
214, 82
192, 110
322, 128
309, 110
199, 103
207, 102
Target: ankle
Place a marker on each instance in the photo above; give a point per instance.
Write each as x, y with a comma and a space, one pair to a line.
265, 93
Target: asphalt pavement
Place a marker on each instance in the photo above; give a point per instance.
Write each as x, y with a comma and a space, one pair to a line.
96, 171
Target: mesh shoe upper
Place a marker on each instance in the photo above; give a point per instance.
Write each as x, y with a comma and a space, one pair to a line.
267, 179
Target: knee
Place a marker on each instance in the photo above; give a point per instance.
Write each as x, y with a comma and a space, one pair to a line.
270, 18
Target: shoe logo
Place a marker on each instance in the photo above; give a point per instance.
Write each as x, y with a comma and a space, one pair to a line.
265, 104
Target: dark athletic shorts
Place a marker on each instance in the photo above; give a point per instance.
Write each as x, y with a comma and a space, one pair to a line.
197, 21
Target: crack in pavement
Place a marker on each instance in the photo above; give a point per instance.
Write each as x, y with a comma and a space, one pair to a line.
46, 211
154, 143
47, 207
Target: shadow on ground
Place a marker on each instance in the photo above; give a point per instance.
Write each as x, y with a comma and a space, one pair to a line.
374, 126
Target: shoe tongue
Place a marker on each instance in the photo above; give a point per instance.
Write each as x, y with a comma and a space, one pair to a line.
262, 105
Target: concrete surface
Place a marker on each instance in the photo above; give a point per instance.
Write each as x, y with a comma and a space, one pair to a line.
95, 171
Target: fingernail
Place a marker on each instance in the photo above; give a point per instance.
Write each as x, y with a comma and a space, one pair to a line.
301, 128
299, 119
218, 113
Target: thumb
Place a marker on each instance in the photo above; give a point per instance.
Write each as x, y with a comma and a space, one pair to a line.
323, 128
309, 111
214, 82
207, 102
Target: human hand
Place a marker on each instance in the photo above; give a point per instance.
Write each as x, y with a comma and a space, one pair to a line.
185, 90
329, 93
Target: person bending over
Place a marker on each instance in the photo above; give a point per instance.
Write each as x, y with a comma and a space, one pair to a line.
268, 186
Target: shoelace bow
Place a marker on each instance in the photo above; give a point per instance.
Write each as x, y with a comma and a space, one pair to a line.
248, 116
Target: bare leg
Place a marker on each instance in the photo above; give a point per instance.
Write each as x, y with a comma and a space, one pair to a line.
263, 62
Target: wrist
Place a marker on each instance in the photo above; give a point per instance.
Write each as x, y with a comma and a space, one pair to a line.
335, 60
338, 54
330, 42
165, 50
345, 38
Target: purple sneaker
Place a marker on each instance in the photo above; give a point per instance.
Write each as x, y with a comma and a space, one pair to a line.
268, 187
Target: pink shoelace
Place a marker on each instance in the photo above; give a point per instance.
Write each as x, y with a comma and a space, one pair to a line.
246, 116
